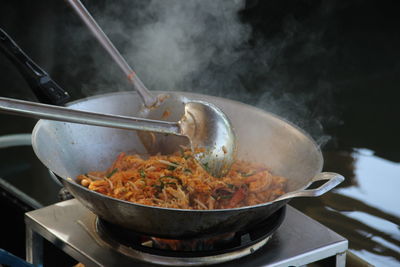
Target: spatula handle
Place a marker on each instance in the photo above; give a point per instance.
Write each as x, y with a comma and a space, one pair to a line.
50, 112
45, 89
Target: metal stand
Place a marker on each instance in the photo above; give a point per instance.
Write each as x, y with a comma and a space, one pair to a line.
34, 247
299, 241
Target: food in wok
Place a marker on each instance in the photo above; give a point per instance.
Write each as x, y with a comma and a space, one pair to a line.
178, 181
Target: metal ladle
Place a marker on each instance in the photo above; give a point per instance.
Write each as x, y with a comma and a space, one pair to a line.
149, 100
166, 107
203, 124
151, 103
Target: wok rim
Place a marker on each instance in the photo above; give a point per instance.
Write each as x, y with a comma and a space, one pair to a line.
73, 183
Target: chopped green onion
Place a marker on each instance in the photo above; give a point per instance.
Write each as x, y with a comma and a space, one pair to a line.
182, 151
142, 173
248, 174
112, 173
159, 186
170, 164
231, 186
205, 165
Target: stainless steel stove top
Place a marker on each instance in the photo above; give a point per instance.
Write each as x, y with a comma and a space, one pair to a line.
70, 226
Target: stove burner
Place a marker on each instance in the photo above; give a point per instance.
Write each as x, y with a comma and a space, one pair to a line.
223, 244
198, 244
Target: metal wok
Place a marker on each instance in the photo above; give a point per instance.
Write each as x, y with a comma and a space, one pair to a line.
69, 149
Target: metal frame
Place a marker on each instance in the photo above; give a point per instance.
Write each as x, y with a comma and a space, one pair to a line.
300, 240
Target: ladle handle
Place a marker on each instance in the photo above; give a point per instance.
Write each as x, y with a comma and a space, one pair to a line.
148, 99
333, 179
44, 111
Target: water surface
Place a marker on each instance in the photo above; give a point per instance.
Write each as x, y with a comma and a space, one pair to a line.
364, 209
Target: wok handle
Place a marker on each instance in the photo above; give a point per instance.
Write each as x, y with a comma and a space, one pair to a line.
45, 89
333, 179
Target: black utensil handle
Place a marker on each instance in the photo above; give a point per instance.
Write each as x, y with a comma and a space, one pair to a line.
45, 89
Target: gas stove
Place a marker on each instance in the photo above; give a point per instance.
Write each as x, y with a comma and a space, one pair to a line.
298, 240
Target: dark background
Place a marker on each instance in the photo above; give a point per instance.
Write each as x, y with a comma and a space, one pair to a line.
351, 83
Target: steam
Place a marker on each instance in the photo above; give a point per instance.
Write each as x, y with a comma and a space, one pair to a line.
186, 45
205, 47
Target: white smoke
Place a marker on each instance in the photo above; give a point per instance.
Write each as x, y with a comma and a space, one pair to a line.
179, 41
204, 46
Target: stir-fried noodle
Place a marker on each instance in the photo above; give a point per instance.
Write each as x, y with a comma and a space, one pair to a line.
178, 181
